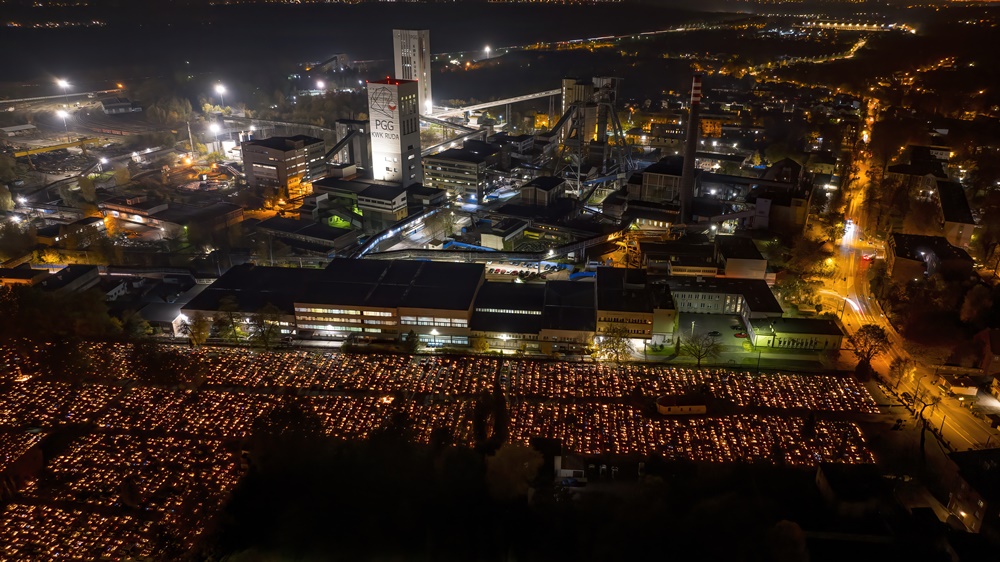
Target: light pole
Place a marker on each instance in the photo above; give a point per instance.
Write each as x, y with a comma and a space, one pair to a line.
100, 166
214, 127
62, 114
487, 51
64, 85
320, 85
221, 90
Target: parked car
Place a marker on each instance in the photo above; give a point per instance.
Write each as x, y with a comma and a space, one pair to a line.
715, 334
740, 335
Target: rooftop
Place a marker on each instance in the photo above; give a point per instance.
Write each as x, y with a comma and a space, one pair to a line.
737, 247
954, 203
459, 154
758, 295
569, 305
670, 166
383, 192
626, 290
21, 273
546, 183
915, 246
981, 469
284, 143
346, 282
919, 169
180, 214
302, 228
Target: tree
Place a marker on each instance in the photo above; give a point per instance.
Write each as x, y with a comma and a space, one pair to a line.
869, 341
926, 399
227, 321
898, 369
88, 190
807, 255
265, 327
510, 470
133, 325
8, 169
480, 345
197, 329
411, 343
615, 344
787, 543
701, 346
977, 303
6, 199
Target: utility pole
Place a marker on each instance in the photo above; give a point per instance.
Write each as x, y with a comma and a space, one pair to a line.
190, 138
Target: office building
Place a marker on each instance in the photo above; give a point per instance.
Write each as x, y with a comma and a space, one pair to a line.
412, 53
394, 125
285, 166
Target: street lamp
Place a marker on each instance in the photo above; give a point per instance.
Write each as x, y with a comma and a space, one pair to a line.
64, 85
100, 166
487, 51
221, 90
62, 114
320, 85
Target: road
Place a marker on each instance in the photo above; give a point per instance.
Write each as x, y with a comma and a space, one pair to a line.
958, 426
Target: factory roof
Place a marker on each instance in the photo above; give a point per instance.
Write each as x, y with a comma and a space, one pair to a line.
670, 166
345, 282
546, 183
737, 247
283, 143
459, 154
569, 305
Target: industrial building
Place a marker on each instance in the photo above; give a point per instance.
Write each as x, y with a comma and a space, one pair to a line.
394, 128
411, 49
287, 166
461, 172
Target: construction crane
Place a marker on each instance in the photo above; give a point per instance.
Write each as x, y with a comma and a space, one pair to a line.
82, 143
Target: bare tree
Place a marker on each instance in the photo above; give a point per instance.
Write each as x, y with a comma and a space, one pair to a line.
869, 341
701, 346
926, 398
899, 368
615, 344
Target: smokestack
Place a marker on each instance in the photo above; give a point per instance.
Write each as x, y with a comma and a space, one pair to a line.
690, 149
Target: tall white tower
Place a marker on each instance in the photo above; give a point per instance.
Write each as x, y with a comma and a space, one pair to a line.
394, 124
412, 53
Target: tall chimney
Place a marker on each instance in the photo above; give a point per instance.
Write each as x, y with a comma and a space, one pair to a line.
690, 149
